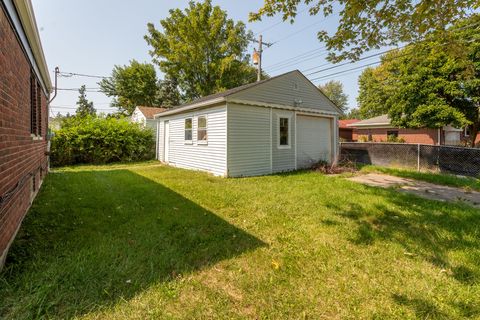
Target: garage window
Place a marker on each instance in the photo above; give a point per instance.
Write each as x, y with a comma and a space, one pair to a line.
284, 132
188, 130
202, 135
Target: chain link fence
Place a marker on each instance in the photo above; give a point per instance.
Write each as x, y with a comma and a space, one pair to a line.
421, 157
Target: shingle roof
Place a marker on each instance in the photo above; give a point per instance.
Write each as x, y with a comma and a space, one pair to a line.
375, 121
149, 112
343, 123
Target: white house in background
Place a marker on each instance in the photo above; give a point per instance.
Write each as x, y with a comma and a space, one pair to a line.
279, 124
145, 116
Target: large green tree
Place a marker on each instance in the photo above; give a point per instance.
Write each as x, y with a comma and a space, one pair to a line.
203, 50
426, 85
365, 25
131, 85
168, 94
84, 107
333, 89
374, 86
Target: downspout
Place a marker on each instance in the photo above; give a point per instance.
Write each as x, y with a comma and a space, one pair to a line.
47, 152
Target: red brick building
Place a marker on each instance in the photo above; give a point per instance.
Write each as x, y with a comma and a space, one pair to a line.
378, 129
24, 92
345, 132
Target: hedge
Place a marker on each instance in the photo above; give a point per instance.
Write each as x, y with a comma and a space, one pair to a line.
100, 140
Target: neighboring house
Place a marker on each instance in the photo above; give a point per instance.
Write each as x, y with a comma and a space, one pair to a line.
145, 116
378, 129
279, 124
24, 92
344, 131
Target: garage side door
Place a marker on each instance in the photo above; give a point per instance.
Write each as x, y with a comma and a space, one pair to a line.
314, 140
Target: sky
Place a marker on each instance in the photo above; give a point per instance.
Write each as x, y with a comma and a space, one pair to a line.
90, 37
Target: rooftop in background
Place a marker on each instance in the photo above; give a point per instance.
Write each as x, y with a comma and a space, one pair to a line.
149, 112
382, 120
343, 124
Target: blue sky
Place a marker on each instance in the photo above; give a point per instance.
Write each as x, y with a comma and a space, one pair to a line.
90, 37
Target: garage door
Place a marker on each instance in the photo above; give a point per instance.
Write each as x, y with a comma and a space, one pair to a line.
314, 140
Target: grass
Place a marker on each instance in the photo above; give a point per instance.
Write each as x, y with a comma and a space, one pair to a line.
154, 242
437, 178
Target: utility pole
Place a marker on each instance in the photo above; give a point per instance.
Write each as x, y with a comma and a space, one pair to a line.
257, 55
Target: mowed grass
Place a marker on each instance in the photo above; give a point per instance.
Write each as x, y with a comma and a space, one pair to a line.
154, 242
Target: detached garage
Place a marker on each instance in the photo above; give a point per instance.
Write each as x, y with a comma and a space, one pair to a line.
280, 124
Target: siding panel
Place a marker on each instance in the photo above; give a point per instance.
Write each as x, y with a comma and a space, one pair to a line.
281, 91
209, 157
283, 159
248, 140
314, 140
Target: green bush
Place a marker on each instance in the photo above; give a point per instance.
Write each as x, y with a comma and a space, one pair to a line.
100, 140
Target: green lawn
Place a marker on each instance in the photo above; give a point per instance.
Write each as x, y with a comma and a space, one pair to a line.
152, 242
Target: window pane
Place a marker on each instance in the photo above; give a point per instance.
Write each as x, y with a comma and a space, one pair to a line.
202, 122
284, 131
188, 134
188, 123
202, 135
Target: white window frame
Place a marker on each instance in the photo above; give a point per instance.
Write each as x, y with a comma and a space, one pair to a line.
185, 129
202, 142
289, 145
465, 130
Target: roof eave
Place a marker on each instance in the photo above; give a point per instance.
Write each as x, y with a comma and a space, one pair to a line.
190, 107
27, 17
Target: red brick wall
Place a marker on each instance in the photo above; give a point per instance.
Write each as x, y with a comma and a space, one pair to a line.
424, 136
21, 156
345, 134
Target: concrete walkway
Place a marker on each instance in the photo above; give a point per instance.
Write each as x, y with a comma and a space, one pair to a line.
420, 188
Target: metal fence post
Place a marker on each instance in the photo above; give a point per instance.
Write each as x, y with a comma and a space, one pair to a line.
418, 157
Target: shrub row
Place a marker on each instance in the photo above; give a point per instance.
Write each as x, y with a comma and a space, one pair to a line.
100, 140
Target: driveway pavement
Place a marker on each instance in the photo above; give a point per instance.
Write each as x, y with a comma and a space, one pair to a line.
420, 188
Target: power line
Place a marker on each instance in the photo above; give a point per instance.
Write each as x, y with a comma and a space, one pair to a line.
303, 29
324, 77
76, 89
74, 108
351, 62
292, 63
343, 71
301, 55
277, 23
71, 74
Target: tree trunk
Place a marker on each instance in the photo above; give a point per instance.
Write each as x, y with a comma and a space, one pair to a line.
473, 133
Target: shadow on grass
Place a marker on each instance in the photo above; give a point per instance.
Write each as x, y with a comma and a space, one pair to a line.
427, 230
94, 238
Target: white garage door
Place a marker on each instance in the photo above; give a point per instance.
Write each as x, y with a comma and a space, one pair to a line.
314, 140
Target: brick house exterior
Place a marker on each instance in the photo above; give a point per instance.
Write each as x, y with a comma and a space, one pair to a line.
24, 93
345, 132
378, 129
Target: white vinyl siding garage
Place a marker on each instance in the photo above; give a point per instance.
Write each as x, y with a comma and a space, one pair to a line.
275, 125
314, 140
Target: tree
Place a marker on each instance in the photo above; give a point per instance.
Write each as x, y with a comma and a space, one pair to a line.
334, 91
425, 85
365, 25
84, 107
167, 94
202, 50
353, 113
131, 86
